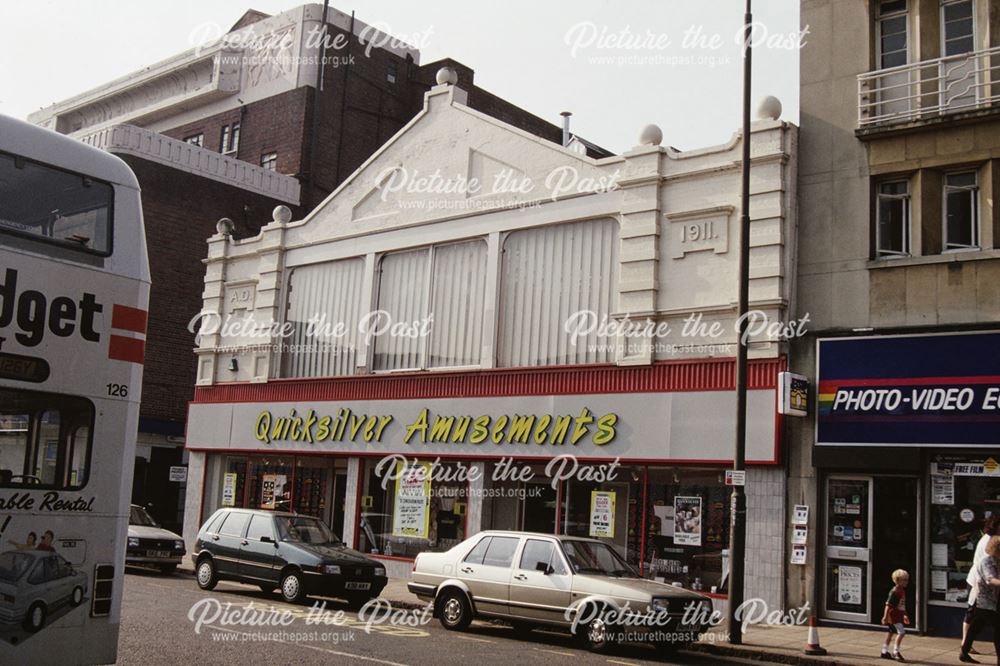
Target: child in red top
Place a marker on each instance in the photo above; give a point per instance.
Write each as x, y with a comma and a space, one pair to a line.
895, 613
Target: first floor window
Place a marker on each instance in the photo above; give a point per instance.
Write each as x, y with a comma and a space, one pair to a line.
893, 219
195, 139
961, 211
269, 161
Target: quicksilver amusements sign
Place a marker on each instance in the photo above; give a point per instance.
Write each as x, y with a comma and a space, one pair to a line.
347, 426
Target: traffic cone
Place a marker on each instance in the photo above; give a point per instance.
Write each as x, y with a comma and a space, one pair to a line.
812, 642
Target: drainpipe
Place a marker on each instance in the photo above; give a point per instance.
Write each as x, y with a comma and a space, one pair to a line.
317, 98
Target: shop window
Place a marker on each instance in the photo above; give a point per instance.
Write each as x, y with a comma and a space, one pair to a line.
962, 495
324, 311
45, 440
892, 219
270, 484
961, 211
528, 506
687, 527
412, 513
312, 491
234, 483
606, 511
557, 283
430, 308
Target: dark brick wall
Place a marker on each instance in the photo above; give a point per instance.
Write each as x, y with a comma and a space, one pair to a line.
180, 211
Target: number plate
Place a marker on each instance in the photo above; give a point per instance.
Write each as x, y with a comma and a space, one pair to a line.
159, 553
355, 585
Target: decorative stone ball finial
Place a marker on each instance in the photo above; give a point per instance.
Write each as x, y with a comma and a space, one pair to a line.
447, 76
225, 227
770, 108
282, 214
651, 135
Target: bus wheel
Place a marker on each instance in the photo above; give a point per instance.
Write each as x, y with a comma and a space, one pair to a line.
292, 589
77, 597
206, 575
35, 619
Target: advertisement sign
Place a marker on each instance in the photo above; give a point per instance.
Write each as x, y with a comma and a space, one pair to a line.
687, 521
178, 473
411, 509
229, 489
798, 554
916, 390
602, 514
849, 585
793, 394
267, 491
800, 514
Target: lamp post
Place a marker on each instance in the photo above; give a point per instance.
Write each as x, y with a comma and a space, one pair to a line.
738, 524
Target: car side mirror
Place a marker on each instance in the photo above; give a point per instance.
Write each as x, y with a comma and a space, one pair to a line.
544, 568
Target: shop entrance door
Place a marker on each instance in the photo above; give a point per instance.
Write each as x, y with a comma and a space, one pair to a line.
871, 530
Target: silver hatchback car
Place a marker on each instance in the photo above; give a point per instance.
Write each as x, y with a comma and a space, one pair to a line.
583, 585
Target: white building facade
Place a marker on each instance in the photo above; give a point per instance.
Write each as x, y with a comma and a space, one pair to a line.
484, 302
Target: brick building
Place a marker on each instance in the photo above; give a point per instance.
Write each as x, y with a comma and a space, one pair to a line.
233, 128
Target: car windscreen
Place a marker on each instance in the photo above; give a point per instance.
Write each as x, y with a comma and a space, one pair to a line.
305, 530
590, 557
13, 565
139, 516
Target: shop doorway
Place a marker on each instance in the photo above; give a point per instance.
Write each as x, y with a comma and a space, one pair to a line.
871, 529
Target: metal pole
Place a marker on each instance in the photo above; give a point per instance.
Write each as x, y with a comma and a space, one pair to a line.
738, 525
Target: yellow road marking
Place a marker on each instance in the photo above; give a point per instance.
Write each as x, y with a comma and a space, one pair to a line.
627, 663
478, 640
565, 654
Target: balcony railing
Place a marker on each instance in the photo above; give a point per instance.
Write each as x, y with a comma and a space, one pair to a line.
156, 147
928, 89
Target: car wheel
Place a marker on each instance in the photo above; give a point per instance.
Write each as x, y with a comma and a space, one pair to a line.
292, 589
267, 589
77, 597
206, 575
35, 619
454, 610
168, 568
596, 635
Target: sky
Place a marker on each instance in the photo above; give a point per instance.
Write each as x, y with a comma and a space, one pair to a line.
618, 65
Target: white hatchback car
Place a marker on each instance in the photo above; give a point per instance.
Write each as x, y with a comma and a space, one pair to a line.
33, 583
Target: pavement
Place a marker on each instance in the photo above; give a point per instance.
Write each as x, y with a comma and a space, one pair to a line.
785, 644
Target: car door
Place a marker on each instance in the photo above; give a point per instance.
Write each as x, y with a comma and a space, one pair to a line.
540, 594
227, 544
487, 569
258, 552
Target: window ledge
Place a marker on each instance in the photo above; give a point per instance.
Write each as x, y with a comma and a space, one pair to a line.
951, 256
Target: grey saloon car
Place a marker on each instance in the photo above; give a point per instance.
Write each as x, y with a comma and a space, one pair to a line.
583, 585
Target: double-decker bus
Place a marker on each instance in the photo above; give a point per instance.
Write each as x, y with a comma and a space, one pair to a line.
74, 288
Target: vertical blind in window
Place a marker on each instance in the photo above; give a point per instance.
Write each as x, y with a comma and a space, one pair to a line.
458, 297
402, 300
549, 274
330, 295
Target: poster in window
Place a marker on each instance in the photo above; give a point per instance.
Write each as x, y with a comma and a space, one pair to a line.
267, 491
687, 521
229, 489
411, 509
849, 585
942, 489
602, 514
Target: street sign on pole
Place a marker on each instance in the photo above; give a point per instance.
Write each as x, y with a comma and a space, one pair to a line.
736, 477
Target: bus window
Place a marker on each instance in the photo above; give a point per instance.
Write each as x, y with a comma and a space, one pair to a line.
63, 208
45, 440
